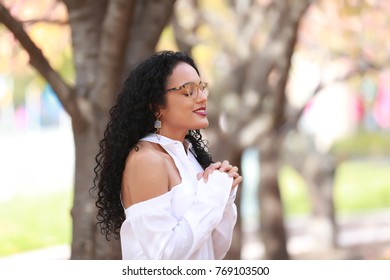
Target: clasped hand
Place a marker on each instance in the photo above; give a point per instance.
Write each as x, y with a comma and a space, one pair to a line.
224, 166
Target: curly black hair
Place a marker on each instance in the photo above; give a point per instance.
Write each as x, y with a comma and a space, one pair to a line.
132, 118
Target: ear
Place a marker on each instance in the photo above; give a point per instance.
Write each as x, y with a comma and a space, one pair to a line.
156, 114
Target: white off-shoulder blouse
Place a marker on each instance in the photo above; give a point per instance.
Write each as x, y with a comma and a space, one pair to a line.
193, 221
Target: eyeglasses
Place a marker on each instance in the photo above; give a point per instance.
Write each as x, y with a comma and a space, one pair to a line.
193, 89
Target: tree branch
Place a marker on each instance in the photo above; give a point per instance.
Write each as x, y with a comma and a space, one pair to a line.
41, 64
112, 52
274, 57
186, 38
360, 69
151, 18
45, 20
85, 18
292, 19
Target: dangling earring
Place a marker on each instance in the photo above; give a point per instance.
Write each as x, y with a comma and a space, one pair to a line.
157, 126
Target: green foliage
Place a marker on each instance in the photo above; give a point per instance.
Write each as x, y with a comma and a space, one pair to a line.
32, 222
20, 84
293, 191
363, 143
66, 69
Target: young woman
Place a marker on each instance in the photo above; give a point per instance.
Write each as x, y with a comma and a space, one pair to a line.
157, 185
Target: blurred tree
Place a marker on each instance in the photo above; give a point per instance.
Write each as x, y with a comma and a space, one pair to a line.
108, 37
343, 50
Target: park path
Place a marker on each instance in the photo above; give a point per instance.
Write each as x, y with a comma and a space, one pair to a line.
360, 236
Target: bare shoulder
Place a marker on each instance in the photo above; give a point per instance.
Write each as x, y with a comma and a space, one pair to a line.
145, 175
144, 155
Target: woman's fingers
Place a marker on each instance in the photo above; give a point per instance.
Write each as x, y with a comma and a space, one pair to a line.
237, 179
210, 169
199, 175
236, 182
225, 166
233, 171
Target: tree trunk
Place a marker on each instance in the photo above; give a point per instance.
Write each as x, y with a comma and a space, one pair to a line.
271, 208
235, 250
319, 173
102, 58
87, 242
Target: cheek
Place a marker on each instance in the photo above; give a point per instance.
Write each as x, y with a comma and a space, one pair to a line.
179, 110
181, 114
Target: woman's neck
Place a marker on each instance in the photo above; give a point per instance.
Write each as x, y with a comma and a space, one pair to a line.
178, 136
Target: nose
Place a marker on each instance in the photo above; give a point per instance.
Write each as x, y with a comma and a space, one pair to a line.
202, 96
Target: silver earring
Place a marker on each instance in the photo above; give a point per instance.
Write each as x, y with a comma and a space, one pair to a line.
157, 126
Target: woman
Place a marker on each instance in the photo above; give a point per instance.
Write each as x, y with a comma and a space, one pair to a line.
157, 185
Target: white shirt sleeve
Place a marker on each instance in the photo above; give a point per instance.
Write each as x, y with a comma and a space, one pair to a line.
223, 233
162, 236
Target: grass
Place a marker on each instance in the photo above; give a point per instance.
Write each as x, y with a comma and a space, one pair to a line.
294, 192
358, 187
32, 222
361, 186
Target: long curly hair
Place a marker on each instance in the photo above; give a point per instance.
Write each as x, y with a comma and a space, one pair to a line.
132, 118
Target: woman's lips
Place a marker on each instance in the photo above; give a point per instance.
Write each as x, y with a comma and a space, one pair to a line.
201, 111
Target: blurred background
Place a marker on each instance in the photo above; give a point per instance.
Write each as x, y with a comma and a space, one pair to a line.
300, 100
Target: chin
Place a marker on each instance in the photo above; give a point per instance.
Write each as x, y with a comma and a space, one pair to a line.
203, 124
200, 126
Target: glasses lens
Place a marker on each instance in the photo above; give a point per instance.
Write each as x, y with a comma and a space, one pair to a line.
204, 88
193, 89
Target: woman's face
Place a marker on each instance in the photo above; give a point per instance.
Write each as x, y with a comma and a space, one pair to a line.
183, 112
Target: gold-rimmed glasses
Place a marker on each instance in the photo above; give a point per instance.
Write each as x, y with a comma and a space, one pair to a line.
193, 89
